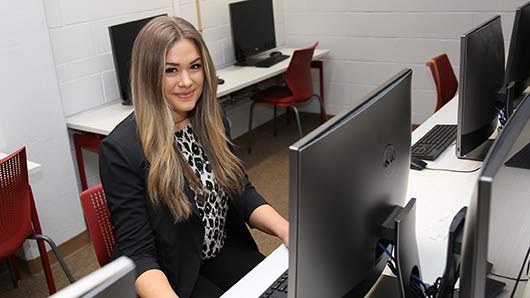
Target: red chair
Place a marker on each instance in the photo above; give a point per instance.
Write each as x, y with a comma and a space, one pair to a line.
444, 79
18, 216
98, 220
298, 87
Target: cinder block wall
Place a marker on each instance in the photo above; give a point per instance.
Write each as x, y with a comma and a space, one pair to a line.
372, 40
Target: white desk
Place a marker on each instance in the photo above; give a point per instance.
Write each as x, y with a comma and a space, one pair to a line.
103, 119
97, 123
33, 167
440, 195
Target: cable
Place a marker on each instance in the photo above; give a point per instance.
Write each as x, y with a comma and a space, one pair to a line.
520, 272
433, 290
502, 114
418, 279
388, 253
453, 171
507, 277
417, 291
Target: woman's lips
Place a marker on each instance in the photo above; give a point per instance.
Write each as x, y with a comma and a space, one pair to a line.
185, 95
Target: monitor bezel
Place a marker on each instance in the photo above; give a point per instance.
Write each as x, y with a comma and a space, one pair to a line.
244, 54
475, 145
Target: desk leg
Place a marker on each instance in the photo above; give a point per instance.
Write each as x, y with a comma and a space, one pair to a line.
89, 141
320, 66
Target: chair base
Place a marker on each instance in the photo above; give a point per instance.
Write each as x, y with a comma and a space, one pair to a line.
296, 113
13, 271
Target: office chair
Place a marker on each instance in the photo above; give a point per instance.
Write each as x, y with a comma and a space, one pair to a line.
18, 217
298, 88
98, 221
444, 79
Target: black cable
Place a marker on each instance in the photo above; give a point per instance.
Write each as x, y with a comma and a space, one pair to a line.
454, 171
520, 272
507, 277
527, 268
433, 290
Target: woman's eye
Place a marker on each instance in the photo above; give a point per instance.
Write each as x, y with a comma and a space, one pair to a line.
171, 70
196, 66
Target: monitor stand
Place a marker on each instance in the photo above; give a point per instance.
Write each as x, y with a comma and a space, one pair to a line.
509, 100
400, 229
127, 102
386, 286
251, 61
480, 152
454, 258
494, 289
454, 255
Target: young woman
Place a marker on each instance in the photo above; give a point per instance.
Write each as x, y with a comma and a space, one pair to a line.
178, 195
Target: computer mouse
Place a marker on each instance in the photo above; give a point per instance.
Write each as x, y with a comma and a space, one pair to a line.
220, 81
417, 164
275, 53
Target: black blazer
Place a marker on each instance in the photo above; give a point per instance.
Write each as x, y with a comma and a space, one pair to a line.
147, 233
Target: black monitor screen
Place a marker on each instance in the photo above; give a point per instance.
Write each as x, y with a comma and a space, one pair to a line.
252, 23
122, 38
518, 65
345, 179
481, 78
497, 222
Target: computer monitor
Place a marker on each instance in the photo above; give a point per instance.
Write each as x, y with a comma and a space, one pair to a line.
481, 77
346, 177
496, 227
116, 279
518, 65
252, 24
122, 38
453, 258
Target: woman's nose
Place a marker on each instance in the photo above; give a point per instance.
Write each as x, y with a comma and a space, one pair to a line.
185, 79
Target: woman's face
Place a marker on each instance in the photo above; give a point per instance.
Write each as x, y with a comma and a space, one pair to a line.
183, 78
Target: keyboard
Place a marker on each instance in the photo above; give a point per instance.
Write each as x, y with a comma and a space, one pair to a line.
520, 159
278, 289
268, 62
432, 144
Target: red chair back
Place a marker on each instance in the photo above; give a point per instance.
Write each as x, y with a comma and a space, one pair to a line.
444, 79
298, 74
15, 202
98, 220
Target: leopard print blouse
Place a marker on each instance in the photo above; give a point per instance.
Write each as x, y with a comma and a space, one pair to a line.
213, 207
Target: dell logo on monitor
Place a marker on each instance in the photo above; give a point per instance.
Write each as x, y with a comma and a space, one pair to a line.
388, 160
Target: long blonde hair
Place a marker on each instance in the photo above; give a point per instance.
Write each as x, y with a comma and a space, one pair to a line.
168, 168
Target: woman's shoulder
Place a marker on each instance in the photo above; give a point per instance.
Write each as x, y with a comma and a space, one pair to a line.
124, 138
125, 132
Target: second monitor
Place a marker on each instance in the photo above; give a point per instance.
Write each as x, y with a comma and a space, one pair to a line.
346, 178
481, 77
252, 24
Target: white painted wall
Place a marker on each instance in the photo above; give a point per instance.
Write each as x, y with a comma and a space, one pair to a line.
216, 26
81, 46
31, 115
372, 40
